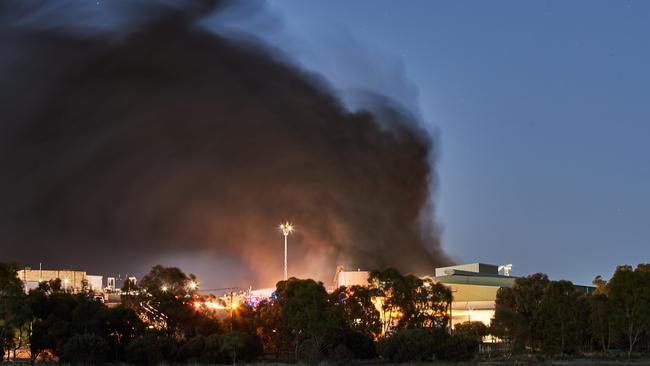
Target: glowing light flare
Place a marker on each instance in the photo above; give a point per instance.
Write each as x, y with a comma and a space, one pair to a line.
193, 285
286, 228
164, 288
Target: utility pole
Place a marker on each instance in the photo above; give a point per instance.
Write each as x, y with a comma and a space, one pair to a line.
231, 293
231, 311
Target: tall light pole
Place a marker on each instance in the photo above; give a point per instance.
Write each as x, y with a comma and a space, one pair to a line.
287, 228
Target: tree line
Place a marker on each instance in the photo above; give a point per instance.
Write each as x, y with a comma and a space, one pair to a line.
557, 318
396, 317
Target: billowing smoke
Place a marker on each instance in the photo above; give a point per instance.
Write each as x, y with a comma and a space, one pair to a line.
151, 138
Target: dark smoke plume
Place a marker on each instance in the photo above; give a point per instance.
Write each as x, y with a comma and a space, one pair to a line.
162, 139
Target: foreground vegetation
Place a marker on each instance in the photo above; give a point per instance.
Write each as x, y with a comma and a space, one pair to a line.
554, 317
395, 319
159, 322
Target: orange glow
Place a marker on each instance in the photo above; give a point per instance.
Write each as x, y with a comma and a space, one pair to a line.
213, 305
208, 305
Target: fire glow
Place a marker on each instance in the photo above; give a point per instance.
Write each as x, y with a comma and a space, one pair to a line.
212, 305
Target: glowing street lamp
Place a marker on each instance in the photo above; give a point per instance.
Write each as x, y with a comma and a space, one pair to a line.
163, 288
193, 285
286, 228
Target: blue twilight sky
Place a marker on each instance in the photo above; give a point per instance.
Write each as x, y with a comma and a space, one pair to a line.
543, 110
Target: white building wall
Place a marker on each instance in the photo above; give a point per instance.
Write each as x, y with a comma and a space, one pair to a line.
353, 278
95, 283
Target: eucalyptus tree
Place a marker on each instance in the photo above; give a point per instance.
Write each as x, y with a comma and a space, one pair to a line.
629, 293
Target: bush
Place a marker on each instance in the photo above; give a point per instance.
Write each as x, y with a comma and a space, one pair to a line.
89, 349
192, 350
359, 346
456, 347
475, 329
149, 350
249, 347
407, 345
410, 345
219, 349
212, 353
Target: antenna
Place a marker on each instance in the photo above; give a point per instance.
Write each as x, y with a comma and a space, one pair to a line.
506, 268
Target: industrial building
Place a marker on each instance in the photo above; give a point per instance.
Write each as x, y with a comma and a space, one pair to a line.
72, 281
474, 287
350, 278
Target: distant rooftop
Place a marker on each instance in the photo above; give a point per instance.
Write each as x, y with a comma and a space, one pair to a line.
471, 269
481, 274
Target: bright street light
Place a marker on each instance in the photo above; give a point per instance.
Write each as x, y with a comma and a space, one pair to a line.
163, 288
286, 228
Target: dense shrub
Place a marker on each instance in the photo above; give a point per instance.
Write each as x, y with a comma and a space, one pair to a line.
456, 347
424, 345
249, 347
218, 348
88, 349
149, 350
407, 345
212, 352
192, 350
360, 346
469, 329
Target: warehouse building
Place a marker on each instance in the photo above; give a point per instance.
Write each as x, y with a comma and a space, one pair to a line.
350, 278
474, 287
72, 281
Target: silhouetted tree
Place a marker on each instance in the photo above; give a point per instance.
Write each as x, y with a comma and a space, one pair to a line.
166, 279
600, 315
308, 315
472, 329
359, 312
629, 293
383, 284
121, 326
149, 350
85, 349
561, 311
232, 343
408, 301
429, 304
408, 345
518, 316
267, 319
14, 313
